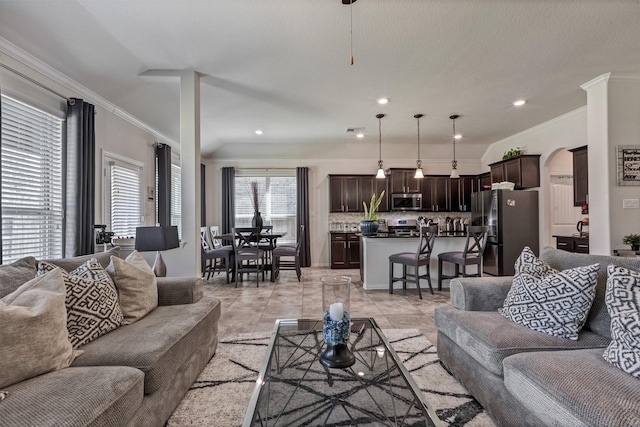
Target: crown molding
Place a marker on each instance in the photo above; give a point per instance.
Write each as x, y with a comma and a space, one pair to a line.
594, 82
11, 50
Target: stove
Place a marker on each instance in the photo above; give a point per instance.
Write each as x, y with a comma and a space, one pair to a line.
403, 227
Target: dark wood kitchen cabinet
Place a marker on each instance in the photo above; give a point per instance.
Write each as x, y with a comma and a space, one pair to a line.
371, 185
580, 176
484, 181
435, 193
345, 250
344, 193
460, 190
523, 170
403, 181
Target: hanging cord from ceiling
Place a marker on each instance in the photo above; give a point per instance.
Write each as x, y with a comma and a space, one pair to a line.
350, 3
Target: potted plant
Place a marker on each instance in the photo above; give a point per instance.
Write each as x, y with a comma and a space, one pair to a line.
369, 225
512, 153
632, 240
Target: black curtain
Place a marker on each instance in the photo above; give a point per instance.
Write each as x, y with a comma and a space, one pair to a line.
302, 213
228, 202
81, 178
163, 170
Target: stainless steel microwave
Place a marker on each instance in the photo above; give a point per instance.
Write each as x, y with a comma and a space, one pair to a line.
406, 202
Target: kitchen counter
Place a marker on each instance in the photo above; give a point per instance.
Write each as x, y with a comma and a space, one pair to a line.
416, 235
377, 249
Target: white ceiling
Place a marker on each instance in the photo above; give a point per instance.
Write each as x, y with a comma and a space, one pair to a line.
283, 65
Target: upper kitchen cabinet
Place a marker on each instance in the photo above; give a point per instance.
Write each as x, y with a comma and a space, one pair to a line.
460, 190
371, 185
580, 176
403, 181
484, 181
435, 193
344, 193
523, 170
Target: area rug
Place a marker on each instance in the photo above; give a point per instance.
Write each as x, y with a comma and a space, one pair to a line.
221, 394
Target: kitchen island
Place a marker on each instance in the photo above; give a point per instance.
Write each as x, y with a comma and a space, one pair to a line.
377, 248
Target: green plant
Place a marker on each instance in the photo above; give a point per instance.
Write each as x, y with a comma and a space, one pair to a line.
511, 153
631, 239
369, 211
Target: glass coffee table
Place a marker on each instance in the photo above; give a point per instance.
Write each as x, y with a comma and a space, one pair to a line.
293, 388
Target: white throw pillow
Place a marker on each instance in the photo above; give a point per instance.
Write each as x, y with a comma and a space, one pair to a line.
623, 303
34, 333
91, 301
136, 284
550, 301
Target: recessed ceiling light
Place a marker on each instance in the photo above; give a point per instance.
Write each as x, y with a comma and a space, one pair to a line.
360, 135
458, 136
519, 102
383, 101
259, 132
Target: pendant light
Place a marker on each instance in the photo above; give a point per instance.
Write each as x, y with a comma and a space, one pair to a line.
419, 174
380, 173
454, 162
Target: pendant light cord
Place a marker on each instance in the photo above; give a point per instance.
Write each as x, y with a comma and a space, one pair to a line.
454, 140
418, 139
351, 35
380, 138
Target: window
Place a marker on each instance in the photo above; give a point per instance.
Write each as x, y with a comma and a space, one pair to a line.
31, 175
278, 189
176, 195
123, 192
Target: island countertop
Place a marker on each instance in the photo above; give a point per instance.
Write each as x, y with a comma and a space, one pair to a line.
412, 236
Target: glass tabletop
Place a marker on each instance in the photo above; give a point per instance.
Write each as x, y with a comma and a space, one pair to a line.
293, 388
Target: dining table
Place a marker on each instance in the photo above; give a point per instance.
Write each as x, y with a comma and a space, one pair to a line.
271, 237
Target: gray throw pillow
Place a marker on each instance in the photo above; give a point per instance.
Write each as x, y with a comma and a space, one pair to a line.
91, 301
14, 275
136, 284
34, 330
550, 301
623, 303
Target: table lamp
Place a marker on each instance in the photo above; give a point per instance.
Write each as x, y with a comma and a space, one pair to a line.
158, 239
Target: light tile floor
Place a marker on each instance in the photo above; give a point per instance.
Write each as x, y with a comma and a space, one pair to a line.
248, 308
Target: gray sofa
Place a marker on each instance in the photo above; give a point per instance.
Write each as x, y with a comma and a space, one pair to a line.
135, 375
528, 378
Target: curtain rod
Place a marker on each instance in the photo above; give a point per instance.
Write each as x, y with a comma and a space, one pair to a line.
37, 83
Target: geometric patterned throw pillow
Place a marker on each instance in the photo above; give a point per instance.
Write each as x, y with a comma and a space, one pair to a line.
528, 263
623, 303
91, 301
550, 301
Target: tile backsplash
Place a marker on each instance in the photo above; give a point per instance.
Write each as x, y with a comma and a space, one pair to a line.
350, 221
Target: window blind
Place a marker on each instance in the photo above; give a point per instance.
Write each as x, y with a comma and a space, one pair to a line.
176, 197
31, 175
125, 208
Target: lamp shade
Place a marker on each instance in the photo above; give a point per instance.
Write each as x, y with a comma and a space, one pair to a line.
158, 238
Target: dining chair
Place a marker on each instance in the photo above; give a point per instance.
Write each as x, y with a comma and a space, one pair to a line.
249, 258
420, 258
471, 255
214, 260
288, 251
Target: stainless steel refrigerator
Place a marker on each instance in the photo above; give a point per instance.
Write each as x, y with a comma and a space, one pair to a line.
512, 217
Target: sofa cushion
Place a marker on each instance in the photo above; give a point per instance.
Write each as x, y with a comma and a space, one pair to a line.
136, 284
70, 264
33, 330
489, 338
158, 343
13, 275
97, 396
547, 300
598, 320
91, 301
623, 303
573, 388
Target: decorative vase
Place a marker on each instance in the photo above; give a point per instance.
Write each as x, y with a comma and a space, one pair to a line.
368, 227
336, 322
256, 221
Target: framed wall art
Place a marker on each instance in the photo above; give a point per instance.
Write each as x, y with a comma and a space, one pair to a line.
628, 160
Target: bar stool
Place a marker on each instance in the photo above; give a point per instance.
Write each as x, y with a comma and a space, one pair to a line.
472, 254
421, 257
